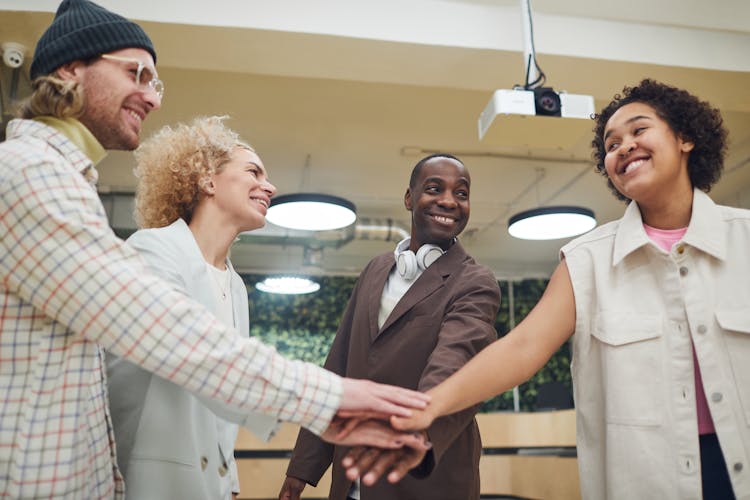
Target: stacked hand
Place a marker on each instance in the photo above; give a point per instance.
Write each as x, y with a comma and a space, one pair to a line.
365, 398
372, 433
406, 448
363, 403
370, 464
362, 422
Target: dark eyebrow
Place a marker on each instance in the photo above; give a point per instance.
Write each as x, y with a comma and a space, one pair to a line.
631, 120
437, 179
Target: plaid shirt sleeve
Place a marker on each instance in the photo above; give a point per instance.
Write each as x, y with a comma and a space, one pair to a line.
61, 262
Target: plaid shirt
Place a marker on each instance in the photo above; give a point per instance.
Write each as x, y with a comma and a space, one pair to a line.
69, 288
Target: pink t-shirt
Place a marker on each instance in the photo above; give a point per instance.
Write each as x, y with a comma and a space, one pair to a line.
665, 238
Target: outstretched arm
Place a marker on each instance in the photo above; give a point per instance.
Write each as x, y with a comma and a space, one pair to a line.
97, 290
508, 361
501, 366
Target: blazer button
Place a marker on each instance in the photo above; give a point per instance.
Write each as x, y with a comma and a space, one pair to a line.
204, 463
223, 470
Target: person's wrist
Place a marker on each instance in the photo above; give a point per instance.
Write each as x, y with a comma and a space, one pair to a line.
435, 409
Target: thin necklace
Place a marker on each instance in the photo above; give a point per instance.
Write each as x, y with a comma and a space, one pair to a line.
222, 289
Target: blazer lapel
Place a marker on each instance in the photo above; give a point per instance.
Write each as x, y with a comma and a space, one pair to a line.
431, 279
425, 285
197, 279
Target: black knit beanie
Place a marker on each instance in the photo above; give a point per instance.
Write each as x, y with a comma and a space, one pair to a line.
82, 30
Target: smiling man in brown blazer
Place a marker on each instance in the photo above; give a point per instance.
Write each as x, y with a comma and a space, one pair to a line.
415, 316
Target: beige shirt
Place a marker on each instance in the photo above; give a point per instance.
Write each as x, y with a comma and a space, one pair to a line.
637, 309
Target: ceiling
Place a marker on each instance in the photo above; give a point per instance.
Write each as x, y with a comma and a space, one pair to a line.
365, 89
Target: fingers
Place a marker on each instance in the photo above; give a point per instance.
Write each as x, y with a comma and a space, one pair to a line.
380, 465
365, 395
363, 415
405, 397
351, 460
415, 441
402, 467
347, 428
368, 433
363, 461
398, 401
372, 433
371, 464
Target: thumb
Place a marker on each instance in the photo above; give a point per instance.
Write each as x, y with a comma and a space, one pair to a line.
400, 423
347, 428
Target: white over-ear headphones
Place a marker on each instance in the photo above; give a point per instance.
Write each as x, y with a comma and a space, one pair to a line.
408, 264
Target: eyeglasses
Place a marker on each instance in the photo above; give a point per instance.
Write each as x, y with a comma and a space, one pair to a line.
144, 77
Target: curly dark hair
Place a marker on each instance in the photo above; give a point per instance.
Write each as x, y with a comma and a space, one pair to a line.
690, 118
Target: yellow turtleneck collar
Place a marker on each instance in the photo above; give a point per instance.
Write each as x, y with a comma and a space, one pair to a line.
78, 135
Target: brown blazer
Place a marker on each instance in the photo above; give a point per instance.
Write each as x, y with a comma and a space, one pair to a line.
444, 319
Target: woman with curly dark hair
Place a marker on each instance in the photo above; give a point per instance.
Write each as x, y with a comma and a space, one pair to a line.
696, 122
658, 302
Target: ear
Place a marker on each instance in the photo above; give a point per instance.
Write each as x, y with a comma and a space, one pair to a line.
407, 199
207, 185
686, 146
71, 71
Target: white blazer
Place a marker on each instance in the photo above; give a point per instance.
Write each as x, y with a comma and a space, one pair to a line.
170, 444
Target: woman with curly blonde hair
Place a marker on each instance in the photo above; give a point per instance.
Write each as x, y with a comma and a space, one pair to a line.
199, 186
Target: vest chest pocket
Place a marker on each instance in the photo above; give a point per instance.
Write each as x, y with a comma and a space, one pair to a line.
632, 371
735, 325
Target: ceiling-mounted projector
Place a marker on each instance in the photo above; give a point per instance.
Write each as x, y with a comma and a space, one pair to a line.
539, 101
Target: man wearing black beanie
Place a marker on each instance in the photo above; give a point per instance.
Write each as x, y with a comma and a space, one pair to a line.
69, 288
93, 49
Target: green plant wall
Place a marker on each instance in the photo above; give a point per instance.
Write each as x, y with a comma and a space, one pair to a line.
303, 327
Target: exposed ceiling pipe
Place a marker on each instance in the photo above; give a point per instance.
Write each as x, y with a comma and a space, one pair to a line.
379, 229
364, 229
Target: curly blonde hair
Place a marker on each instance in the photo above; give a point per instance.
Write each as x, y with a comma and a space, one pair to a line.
175, 163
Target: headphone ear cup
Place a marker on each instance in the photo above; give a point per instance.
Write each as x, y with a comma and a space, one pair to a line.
406, 264
427, 254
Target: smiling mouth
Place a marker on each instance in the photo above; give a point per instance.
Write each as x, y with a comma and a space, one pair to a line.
441, 219
261, 201
633, 165
135, 114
